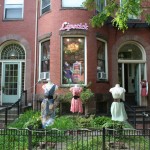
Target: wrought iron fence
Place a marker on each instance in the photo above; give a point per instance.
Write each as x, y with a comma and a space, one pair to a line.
83, 139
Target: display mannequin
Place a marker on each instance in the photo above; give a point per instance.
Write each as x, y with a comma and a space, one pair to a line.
47, 105
76, 103
117, 108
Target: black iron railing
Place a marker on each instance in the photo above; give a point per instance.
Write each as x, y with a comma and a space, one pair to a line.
81, 139
146, 120
17, 105
133, 111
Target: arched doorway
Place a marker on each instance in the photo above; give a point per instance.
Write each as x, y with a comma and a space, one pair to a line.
12, 69
131, 70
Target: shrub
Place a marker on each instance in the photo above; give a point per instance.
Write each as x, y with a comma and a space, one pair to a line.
100, 120
86, 95
34, 122
23, 119
83, 122
64, 123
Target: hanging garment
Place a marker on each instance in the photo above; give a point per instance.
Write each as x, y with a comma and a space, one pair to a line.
47, 113
144, 88
47, 108
118, 111
76, 103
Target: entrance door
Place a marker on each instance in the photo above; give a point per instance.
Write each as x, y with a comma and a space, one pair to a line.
11, 80
132, 70
130, 75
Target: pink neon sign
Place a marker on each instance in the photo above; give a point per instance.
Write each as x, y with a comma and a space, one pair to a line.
68, 27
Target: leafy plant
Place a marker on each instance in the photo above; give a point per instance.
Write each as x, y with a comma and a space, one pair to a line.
66, 97
100, 121
83, 122
23, 118
118, 12
34, 122
91, 144
118, 125
64, 122
86, 95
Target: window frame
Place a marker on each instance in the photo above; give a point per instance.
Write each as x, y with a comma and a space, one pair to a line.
47, 73
67, 7
45, 7
130, 17
85, 59
106, 60
21, 6
99, 4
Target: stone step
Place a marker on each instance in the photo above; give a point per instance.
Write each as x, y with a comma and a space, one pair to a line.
12, 114
8, 120
8, 116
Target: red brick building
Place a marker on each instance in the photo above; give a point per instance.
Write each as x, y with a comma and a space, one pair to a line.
53, 39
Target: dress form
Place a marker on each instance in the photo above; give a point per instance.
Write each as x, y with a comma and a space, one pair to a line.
117, 108
48, 86
117, 92
47, 105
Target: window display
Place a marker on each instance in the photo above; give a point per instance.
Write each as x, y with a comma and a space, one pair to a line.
73, 60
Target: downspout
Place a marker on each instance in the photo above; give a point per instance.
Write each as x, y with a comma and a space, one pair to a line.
35, 60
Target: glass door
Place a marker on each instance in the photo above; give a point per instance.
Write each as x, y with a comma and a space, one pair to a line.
11, 86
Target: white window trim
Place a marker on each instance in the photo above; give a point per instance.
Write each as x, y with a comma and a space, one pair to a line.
105, 3
106, 59
39, 78
45, 7
72, 5
85, 59
15, 7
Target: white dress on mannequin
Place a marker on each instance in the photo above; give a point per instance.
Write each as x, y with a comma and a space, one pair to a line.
117, 108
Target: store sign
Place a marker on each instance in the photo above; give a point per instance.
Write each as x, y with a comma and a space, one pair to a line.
67, 26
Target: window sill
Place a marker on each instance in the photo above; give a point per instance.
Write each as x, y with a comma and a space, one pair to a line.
13, 19
73, 8
43, 81
102, 81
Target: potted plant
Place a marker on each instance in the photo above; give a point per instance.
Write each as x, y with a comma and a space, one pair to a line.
86, 96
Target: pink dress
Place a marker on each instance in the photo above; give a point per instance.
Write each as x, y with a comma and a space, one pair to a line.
76, 103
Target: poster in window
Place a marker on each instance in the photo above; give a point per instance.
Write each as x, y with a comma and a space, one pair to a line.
76, 72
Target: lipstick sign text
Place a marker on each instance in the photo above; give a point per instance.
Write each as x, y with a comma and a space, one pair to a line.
66, 26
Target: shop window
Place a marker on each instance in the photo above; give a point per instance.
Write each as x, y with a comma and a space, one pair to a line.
100, 4
13, 9
101, 60
44, 60
73, 63
45, 6
74, 3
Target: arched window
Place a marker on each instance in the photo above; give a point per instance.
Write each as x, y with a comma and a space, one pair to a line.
13, 51
130, 52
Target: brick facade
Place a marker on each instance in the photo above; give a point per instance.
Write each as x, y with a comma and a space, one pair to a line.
49, 24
